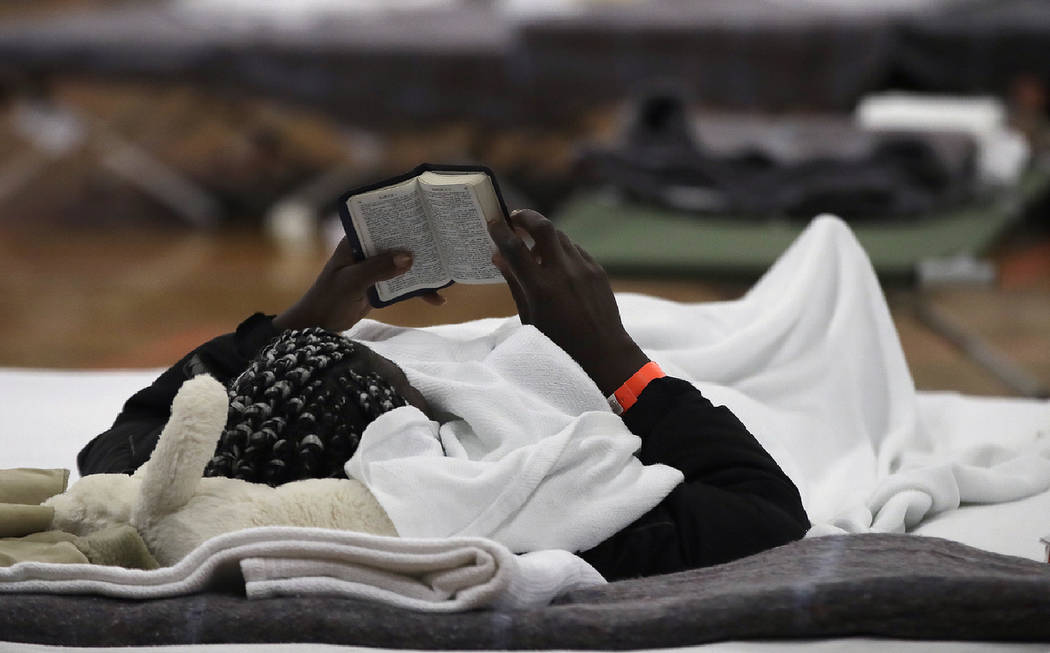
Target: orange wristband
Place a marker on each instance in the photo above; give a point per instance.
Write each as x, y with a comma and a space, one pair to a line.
627, 394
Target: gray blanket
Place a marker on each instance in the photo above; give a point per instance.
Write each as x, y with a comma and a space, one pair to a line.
873, 585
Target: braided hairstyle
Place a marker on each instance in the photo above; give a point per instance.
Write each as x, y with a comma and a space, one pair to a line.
298, 410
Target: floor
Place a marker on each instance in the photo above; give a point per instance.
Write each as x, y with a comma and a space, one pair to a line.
135, 298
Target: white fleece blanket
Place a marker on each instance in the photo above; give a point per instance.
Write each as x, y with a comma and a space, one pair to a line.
527, 452
447, 575
809, 360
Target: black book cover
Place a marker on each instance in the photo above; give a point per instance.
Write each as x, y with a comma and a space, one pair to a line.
355, 241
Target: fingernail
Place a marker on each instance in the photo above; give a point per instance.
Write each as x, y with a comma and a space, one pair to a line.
402, 261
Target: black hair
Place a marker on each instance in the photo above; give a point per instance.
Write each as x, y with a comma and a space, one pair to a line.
298, 410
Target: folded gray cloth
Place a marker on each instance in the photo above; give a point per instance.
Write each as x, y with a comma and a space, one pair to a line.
873, 585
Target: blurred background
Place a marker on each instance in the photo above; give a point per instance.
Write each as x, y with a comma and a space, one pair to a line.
169, 167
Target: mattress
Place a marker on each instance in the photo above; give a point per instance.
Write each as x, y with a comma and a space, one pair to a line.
48, 415
886, 585
871, 457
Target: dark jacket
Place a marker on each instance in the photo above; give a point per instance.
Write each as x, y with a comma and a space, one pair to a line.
735, 500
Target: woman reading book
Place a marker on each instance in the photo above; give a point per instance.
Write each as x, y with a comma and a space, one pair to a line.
301, 396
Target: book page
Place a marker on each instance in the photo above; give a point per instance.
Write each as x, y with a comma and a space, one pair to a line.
395, 218
458, 219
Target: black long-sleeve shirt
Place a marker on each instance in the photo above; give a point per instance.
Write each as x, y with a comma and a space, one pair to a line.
734, 501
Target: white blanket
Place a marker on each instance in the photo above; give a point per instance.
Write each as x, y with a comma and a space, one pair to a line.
448, 575
809, 360
528, 452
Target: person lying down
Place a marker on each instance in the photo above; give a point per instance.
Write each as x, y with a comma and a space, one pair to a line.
302, 396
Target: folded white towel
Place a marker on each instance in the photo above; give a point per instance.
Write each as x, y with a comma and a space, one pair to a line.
432, 575
436, 575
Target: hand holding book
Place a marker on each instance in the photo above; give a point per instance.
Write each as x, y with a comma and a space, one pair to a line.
424, 230
404, 235
438, 214
338, 298
563, 292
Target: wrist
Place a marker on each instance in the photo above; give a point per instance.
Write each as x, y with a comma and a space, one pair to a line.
627, 395
253, 334
285, 321
295, 318
615, 365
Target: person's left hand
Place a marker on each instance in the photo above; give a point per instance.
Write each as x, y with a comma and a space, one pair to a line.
338, 299
563, 292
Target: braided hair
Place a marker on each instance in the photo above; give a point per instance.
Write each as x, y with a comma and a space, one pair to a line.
298, 410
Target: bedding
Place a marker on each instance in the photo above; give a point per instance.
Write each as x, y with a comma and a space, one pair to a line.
435, 575
485, 471
882, 585
809, 361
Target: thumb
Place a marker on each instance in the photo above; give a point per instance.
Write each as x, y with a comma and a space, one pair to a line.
379, 268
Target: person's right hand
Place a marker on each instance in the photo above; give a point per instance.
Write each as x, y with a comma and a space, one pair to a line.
563, 292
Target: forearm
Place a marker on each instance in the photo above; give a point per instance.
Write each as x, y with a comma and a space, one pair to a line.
735, 500
128, 443
682, 428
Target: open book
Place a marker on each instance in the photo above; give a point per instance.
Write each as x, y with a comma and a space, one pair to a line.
439, 214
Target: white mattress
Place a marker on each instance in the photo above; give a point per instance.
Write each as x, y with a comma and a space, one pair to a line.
48, 415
